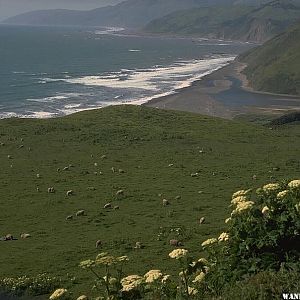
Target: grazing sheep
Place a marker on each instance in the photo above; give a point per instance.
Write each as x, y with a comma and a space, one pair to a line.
202, 220
71, 166
113, 169
66, 169
51, 190
254, 177
121, 171
138, 245
194, 174
103, 156
37, 189
9, 237
159, 195
91, 188
9, 156
22, 140
107, 206
38, 176
116, 207
177, 197
120, 193
2, 144
170, 165
29, 148
21, 146
80, 213
98, 244
96, 164
165, 202
200, 192
70, 217
175, 243
92, 155
25, 235
70, 193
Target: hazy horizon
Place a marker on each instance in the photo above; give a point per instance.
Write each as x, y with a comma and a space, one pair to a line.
9, 8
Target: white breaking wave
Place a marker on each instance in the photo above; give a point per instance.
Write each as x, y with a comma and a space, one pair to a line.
155, 82
152, 79
108, 30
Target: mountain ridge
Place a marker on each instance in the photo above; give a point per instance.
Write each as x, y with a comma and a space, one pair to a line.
239, 22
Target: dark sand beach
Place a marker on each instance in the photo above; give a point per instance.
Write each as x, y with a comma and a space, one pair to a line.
225, 93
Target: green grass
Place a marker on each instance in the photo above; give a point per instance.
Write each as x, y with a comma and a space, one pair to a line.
143, 142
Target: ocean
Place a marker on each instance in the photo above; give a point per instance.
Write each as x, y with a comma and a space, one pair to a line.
50, 71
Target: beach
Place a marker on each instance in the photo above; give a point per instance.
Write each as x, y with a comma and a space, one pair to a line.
226, 93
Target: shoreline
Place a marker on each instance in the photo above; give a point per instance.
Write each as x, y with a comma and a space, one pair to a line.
226, 93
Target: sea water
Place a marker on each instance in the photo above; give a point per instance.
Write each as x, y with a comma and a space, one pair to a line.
51, 71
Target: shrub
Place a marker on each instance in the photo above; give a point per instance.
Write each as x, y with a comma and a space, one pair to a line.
263, 234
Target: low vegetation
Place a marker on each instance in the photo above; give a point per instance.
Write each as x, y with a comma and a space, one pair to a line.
132, 158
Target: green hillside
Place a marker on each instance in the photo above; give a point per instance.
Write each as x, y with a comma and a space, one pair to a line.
238, 22
158, 152
275, 66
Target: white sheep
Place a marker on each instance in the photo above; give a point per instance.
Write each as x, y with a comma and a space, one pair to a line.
51, 190
98, 244
165, 202
138, 245
80, 213
202, 220
70, 193
107, 206
25, 235
70, 217
120, 193
175, 243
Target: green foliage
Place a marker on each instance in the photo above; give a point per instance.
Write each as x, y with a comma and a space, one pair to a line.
263, 235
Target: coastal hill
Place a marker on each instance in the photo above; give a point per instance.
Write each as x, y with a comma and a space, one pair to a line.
237, 22
195, 162
275, 66
130, 13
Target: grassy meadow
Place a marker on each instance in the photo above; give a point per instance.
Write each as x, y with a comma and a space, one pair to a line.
158, 151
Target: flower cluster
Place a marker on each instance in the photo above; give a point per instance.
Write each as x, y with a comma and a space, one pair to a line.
223, 237
209, 242
178, 253
131, 282
243, 206
153, 275
294, 184
271, 187
58, 294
